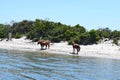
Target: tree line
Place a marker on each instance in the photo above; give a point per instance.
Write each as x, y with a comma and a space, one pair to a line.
56, 32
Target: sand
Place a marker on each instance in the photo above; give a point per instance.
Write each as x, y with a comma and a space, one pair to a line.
104, 49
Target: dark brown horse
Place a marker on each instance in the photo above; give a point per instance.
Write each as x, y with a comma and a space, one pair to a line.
75, 46
44, 43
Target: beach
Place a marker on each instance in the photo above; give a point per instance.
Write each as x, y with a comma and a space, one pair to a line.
103, 50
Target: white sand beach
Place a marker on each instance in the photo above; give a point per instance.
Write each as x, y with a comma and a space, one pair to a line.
104, 50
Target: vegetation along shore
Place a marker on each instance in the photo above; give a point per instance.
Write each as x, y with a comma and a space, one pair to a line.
100, 42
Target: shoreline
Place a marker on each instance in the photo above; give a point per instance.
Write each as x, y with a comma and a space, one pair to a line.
101, 50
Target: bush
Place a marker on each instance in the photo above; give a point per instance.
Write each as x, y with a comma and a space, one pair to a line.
18, 35
115, 41
56, 39
70, 42
35, 39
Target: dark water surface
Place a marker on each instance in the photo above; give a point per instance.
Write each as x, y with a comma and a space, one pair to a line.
15, 65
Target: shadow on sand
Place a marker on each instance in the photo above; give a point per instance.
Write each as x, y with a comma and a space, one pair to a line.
74, 53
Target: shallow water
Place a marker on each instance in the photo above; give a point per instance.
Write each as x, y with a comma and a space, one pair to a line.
15, 65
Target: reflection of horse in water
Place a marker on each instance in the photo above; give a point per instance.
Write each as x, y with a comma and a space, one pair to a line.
44, 43
75, 46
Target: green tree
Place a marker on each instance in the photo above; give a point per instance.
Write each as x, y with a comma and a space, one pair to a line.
1, 31
85, 38
116, 34
104, 32
94, 37
6, 30
68, 34
78, 28
23, 27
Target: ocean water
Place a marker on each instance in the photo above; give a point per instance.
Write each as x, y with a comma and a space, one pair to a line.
16, 65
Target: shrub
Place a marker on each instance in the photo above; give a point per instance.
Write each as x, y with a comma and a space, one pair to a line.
115, 41
35, 39
18, 35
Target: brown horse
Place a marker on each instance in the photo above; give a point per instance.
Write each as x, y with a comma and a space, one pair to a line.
44, 43
75, 46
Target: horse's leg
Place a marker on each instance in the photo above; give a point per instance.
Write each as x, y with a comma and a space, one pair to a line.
46, 46
77, 50
73, 50
41, 46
